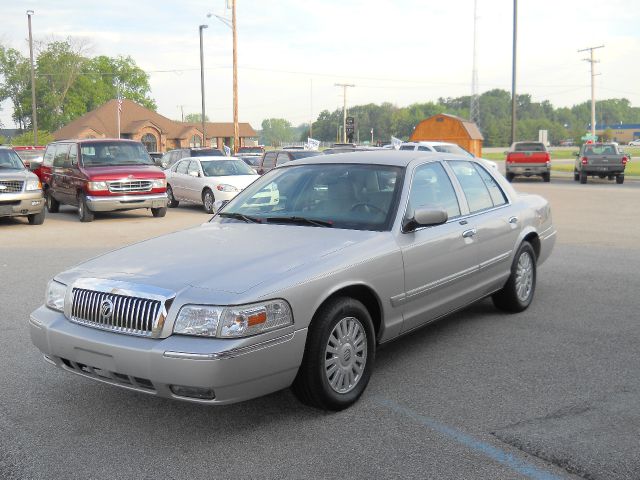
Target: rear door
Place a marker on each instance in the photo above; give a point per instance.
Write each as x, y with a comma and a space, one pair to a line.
60, 180
178, 179
193, 182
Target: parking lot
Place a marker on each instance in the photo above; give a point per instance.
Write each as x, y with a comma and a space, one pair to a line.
552, 392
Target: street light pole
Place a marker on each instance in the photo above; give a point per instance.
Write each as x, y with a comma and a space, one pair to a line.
236, 129
513, 72
34, 116
204, 130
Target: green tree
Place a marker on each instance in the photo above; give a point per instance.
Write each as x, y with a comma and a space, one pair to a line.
14, 83
26, 138
195, 118
276, 131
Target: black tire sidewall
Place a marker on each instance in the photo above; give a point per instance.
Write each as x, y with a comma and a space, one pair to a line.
204, 202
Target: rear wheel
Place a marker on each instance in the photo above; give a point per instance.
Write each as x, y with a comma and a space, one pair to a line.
172, 202
510, 177
159, 212
583, 177
546, 177
517, 293
576, 175
339, 355
36, 218
84, 213
208, 200
619, 179
52, 204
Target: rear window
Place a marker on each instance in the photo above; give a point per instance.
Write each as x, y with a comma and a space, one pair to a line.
599, 150
297, 155
207, 152
108, 154
251, 150
28, 155
529, 147
407, 147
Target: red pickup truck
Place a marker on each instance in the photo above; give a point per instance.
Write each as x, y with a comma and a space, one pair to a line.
528, 159
101, 176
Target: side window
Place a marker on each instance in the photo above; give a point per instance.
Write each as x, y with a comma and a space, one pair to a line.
282, 158
269, 160
60, 159
497, 195
431, 187
193, 167
475, 190
48, 155
424, 149
182, 167
73, 154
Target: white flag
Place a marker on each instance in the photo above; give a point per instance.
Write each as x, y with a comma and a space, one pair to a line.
396, 142
227, 151
312, 144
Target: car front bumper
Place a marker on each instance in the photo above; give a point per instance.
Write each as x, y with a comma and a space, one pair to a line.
110, 203
24, 203
153, 366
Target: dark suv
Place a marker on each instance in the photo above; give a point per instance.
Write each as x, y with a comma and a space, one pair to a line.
172, 156
278, 157
102, 175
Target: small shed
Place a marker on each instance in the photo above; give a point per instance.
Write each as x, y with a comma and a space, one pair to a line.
452, 129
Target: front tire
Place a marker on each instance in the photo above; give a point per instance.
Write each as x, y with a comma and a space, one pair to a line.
517, 293
84, 214
36, 218
208, 200
52, 204
339, 356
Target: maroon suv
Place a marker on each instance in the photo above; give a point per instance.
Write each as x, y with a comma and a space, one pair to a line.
102, 176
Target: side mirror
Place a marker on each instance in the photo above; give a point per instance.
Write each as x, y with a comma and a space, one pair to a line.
425, 217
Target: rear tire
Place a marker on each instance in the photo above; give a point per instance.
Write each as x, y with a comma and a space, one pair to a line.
159, 212
583, 177
510, 177
338, 357
36, 218
172, 202
84, 214
546, 177
52, 204
517, 293
576, 176
619, 179
208, 200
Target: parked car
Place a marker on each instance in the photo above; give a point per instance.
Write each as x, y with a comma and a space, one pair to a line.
102, 175
528, 159
172, 156
253, 162
357, 250
29, 155
250, 152
278, 157
20, 190
205, 180
443, 147
634, 143
157, 158
604, 160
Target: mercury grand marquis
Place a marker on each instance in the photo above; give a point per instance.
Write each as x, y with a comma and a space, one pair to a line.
298, 279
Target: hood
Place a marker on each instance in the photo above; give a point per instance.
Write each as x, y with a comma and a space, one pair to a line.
120, 172
16, 174
226, 257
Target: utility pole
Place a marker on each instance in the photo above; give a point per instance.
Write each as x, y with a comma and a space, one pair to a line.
204, 130
34, 116
513, 72
236, 130
474, 107
592, 61
344, 109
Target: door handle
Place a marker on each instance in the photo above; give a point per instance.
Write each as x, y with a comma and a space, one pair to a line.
513, 220
469, 233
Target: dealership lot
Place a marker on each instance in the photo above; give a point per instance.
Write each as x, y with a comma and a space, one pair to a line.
479, 395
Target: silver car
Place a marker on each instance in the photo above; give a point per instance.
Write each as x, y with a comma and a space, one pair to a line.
356, 250
205, 180
20, 190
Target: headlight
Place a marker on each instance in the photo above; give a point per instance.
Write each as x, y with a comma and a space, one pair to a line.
97, 186
159, 183
56, 292
34, 185
226, 188
233, 322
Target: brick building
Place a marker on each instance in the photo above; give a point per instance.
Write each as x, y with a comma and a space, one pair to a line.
156, 132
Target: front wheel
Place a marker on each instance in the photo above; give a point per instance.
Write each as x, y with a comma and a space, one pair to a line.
84, 214
172, 202
517, 293
208, 200
339, 355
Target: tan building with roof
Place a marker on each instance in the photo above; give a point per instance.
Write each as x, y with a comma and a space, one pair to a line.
156, 132
452, 129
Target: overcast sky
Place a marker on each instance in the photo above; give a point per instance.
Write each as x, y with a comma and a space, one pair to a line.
291, 53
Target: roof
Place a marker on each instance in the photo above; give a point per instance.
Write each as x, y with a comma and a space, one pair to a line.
103, 120
375, 157
619, 126
471, 128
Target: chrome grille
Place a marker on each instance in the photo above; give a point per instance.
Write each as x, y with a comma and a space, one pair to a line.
115, 312
10, 186
130, 186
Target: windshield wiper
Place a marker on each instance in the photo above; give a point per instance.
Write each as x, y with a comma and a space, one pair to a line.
300, 221
240, 216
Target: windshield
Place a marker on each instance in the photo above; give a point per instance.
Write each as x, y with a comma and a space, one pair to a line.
452, 149
10, 159
529, 147
108, 154
223, 168
356, 197
251, 150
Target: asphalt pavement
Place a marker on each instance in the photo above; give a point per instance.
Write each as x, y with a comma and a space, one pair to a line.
550, 393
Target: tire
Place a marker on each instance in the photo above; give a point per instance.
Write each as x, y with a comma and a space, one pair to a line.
172, 203
208, 199
84, 213
36, 218
583, 177
322, 386
546, 177
517, 293
53, 206
619, 179
510, 177
576, 176
159, 212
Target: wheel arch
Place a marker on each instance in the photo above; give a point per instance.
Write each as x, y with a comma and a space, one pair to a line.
534, 240
204, 189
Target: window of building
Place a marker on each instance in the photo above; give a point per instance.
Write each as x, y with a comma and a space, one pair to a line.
150, 142
196, 141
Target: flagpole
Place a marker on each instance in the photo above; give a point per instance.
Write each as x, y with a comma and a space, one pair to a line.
119, 107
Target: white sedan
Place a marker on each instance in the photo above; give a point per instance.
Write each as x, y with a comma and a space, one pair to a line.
205, 180
635, 143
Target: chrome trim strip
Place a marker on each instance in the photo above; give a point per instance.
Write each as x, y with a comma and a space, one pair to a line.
227, 354
495, 260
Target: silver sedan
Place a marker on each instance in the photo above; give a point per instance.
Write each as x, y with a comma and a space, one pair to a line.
356, 250
205, 180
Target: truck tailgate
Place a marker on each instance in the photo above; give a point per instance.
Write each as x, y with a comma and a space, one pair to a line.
527, 157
